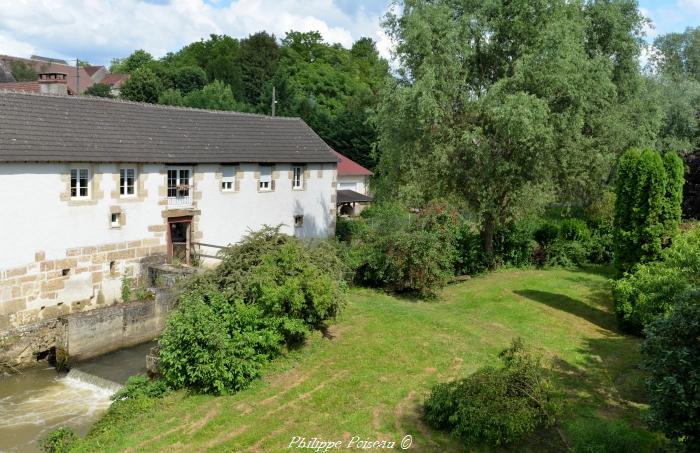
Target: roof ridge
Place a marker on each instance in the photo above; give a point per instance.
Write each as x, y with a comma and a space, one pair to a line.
84, 97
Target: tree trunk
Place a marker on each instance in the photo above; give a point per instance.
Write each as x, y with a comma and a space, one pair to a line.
488, 226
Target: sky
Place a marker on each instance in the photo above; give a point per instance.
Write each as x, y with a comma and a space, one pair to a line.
99, 30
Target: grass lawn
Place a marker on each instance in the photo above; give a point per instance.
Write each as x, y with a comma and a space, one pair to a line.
370, 375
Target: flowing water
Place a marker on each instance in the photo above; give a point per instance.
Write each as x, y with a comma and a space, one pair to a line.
40, 400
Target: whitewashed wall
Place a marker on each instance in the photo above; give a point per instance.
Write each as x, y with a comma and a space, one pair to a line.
357, 183
55, 252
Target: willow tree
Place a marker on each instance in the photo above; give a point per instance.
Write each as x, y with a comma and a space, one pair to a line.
504, 105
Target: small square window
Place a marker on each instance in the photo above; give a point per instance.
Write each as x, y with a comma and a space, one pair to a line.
298, 221
115, 219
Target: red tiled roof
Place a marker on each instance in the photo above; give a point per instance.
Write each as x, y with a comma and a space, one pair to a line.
115, 80
348, 167
30, 87
92, 69
43, 66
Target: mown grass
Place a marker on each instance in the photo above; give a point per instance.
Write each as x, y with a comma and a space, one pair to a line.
369, 376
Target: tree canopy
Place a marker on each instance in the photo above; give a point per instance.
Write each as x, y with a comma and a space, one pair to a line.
501, 104
334, 89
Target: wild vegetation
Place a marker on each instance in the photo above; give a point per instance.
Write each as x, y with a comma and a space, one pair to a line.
371, 373
520, 135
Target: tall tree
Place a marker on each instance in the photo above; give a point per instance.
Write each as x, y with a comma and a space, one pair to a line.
258, 58
499, 103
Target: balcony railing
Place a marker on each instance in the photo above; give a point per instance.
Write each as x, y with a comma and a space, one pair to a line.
180, 201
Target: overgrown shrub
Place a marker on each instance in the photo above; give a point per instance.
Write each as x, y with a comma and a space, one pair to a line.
58, 441
514, 244
651, 289
269, 290
288, 285
595, 435
470, 257
671, 353
567, 253
216, 346
495, 406
140, 386
573, 229
547, 233
647, 207
404, 251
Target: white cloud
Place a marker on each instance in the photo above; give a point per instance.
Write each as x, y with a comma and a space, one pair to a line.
98, 30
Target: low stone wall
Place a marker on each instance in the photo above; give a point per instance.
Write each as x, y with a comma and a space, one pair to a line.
100, 331
87, 334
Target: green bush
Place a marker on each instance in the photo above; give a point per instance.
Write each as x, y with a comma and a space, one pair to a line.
574, 230
412, 261
215, 346
569, 253
609, 436
289, 285
647, 206
404, 251
140, 386
651, 289
671, 354
495, 406
547, 233
58, 441
514, 244
470, 258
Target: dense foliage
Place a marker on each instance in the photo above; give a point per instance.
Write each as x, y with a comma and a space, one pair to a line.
402, 251
505, 110
271, 290
495, 406
652, 289
216, 346
672, 358
58, 441
100, 90
648, 206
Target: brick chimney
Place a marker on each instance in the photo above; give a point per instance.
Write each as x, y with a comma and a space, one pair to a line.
53, 83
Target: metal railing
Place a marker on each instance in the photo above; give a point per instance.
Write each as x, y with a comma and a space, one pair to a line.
180, 201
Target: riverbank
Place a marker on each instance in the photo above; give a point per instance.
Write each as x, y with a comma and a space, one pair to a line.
369, 375
39, 400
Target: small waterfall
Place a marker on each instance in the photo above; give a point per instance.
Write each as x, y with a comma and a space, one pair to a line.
80, 377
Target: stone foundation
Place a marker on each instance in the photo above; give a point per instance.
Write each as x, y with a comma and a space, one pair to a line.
87, 277
85, 335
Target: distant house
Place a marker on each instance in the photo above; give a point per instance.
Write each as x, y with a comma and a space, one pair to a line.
77, 79
96, 189
353, 186
48, 83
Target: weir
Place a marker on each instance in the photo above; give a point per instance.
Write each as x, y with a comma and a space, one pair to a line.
40, 400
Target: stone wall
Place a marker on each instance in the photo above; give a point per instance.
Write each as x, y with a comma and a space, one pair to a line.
86, 278
88, 334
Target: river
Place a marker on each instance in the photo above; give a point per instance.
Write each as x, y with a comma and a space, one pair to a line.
39, 399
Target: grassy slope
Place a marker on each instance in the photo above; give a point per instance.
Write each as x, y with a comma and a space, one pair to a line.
371, 377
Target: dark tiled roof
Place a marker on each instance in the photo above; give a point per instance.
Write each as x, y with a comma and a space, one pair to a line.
87, 129
350, 196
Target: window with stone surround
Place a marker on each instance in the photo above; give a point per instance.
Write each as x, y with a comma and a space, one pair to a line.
79, 183
297, 177
265, 178
228, 178
127, 182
